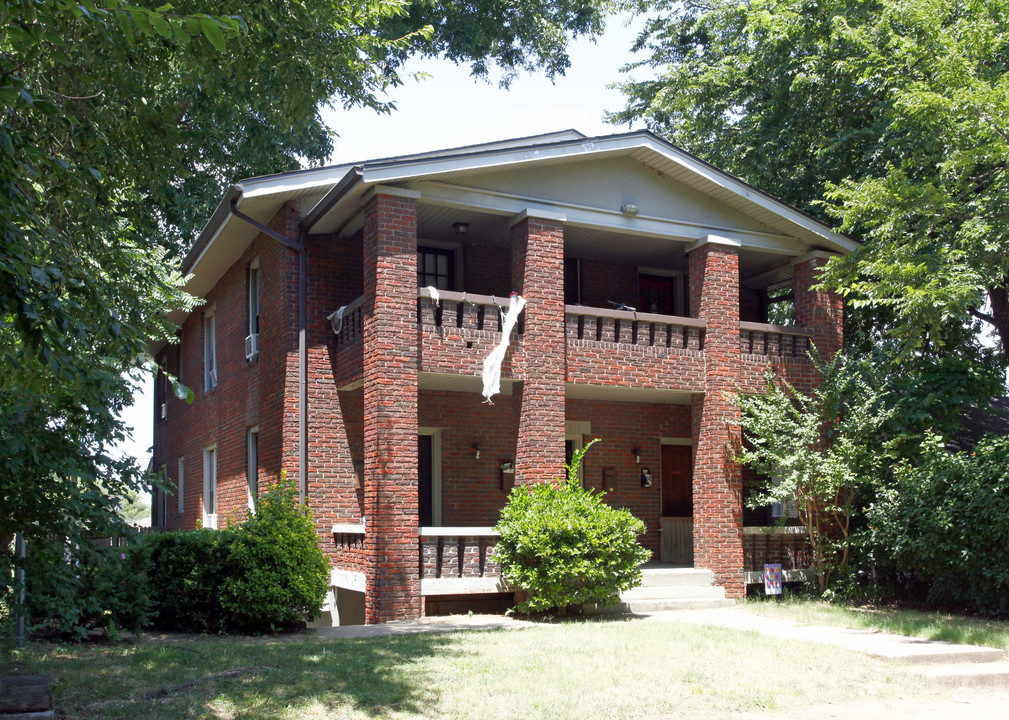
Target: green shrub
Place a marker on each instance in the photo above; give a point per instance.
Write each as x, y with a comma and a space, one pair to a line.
266, 573
72, 589
944, 527
278, 573
188, 570
564, 546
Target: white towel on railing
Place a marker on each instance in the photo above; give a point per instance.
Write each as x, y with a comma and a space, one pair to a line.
336, 319
435, 295
492, 363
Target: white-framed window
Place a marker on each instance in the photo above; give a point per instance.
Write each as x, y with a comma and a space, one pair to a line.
252, 339
210, 486
159, 499
252, 465
209, 350
180, 489
783, 510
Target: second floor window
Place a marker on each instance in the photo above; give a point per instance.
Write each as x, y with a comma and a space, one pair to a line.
209, 351
436, 267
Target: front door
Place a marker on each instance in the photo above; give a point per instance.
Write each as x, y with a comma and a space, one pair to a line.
677, 505
656, 294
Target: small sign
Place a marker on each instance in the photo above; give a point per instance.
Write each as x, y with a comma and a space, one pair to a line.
772, 579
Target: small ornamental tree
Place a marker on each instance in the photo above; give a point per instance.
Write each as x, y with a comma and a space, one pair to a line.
564, 546
814, 450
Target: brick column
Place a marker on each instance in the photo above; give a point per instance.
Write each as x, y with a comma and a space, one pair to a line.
390, 407
538, 275
718, 483
821, 312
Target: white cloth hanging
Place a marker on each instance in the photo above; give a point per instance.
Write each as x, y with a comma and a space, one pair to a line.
492, 363
435, 295
336, 319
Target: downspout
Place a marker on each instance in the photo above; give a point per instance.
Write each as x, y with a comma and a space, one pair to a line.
301, 247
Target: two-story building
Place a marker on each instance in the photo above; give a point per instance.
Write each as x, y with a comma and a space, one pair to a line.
349, 309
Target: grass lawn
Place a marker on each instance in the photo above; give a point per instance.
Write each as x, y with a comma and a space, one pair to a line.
577, 670
914, 623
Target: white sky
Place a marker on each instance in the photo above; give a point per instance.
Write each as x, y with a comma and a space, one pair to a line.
451, 109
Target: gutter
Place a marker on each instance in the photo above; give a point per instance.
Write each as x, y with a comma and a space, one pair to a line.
328, 201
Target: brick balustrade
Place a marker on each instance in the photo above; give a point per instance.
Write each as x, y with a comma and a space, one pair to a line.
633, 328
447, 552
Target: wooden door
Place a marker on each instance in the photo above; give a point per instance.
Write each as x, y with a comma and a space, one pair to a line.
677, 481
655, 294
677, 505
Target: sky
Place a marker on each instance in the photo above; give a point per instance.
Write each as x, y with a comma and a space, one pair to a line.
448, 108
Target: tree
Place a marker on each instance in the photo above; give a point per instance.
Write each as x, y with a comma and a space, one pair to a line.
888, 116
119, 126
813, 450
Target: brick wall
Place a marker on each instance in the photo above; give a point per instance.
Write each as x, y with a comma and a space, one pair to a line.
538, 275
248, 393
390, 408
822, 312
714, 296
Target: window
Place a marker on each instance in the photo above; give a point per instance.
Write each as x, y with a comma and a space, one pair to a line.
210, 487
252, 468
209, 351
779, 305
159, 499
252, 339
782, 510
180, 488
436, 267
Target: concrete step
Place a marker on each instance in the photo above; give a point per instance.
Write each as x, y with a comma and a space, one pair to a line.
914, 651
668, 577
969, 674
660, 605
674, 592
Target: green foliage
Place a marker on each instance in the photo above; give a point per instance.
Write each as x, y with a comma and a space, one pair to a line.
188, 570
266, 572
73, 589
816, 446
564, 546
944, 526
895, 111
278, 575
120, 126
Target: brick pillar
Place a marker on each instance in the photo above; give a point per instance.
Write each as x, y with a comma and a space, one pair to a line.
821, 312
390, 407
538, 275
718, 483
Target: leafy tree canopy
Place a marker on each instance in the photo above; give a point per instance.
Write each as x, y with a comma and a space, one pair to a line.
119, 127
889, 116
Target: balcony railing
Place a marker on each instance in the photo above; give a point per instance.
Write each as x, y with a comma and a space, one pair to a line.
351, 323
633, 328
463, 311
457, 560
783, 341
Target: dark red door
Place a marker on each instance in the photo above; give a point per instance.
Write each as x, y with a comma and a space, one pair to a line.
677, 481
655, 294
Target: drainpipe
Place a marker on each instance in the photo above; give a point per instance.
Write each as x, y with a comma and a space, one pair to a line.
330, 199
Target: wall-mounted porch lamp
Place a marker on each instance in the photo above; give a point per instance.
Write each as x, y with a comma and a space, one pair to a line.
476, 450
636, 452
460, 227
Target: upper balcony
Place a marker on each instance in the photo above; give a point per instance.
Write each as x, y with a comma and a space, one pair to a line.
605, 346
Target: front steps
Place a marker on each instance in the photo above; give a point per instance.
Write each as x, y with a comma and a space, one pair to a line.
664, 589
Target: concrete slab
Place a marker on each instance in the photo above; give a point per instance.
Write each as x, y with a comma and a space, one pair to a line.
449, 623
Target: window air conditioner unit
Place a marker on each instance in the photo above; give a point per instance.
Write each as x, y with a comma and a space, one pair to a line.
252, 346
164, 410
213, 378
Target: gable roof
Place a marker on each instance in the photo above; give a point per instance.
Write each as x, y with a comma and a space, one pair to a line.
328, 194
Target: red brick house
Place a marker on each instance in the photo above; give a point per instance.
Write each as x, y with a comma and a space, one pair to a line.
648, 276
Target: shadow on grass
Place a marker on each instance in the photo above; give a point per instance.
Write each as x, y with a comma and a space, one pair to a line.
295, 676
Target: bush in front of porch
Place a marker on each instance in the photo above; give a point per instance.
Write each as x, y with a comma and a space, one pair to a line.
566, 547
